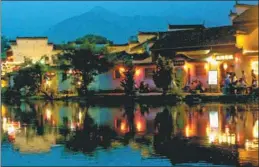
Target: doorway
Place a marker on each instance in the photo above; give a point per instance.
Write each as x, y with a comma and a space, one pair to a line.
224, 69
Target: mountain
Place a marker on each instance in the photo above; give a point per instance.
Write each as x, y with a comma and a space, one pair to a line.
100, 21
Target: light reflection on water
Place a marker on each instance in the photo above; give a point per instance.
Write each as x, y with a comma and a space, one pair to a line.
67, 133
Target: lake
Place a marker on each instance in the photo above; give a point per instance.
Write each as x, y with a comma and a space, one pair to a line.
38, 133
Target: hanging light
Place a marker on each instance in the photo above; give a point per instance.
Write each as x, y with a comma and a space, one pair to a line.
185, 67
225, 66
236, 59
121, 69
137, 72
206, 66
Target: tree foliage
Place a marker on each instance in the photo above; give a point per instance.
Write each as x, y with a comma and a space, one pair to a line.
94, 39
86, 63
163, 75
29, 77
4, 45
128, 83
97, 44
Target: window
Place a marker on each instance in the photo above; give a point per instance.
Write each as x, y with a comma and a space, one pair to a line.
200, 70
149, 72
117, 74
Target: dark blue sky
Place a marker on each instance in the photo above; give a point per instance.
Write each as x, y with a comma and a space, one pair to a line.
34, 17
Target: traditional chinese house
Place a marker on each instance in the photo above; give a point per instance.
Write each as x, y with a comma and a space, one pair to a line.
139, 52
111, 80
206, 54
245, 20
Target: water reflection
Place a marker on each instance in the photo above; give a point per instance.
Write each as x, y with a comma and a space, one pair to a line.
212, 132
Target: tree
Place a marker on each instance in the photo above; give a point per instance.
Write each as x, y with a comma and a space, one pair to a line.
96, 39
128, 82
29, 77
4, 46
86, 63
87, 45
163, 75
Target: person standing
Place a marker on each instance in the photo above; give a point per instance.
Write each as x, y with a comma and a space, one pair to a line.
234, 83
254, 80
234, 79
244, 77
227, 84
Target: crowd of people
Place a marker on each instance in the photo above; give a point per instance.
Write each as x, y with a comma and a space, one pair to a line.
233, 85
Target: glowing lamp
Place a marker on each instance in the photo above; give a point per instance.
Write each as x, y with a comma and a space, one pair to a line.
236, 59
70, 71
139, 126
225, 66
79, 83
10, 130
123, 126
137, 73
48, 83
185, 67
3, 110
48, 114
206, 66
187, 131
121, 69
255, 130
80, 116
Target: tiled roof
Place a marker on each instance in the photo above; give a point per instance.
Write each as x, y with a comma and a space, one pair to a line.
250, 15
122, 55
246, 29
241, 4
126, 44
196, 38
193, 26
57, 47
143, 43
147, 33
152, 33
32, 38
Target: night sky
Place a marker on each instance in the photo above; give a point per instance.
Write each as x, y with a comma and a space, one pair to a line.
34, 17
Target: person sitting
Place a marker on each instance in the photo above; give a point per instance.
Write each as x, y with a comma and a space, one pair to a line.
193, 85
200, 86
244, 77
146, 89
142, 87
241, 85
